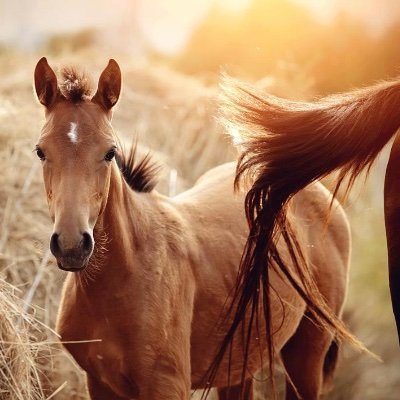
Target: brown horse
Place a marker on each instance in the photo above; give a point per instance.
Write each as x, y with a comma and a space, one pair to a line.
288, 145
150, 275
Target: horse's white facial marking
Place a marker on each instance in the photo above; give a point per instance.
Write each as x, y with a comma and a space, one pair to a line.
73, 132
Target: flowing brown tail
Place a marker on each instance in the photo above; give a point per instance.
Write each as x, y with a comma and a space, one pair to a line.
286, 145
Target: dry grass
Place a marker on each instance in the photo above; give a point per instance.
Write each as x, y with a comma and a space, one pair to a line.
175, 117
19, 374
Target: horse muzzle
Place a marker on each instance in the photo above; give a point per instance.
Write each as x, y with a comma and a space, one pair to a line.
73, 258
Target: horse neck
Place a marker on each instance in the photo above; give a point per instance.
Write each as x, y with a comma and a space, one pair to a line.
122, 206
124, 226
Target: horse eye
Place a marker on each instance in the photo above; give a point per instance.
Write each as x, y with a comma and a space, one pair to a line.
110, 155
40, 154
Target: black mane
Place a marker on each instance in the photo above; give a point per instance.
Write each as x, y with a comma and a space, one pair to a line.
141, 175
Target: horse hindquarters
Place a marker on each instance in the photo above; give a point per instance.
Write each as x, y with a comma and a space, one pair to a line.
311, 354
305, 358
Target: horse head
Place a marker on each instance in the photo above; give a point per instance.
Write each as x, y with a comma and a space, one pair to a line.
77, 146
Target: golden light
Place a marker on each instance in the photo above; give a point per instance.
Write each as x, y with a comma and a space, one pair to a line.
234, 5
234, 132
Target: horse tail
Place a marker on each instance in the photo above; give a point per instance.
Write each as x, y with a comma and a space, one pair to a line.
330, 364
285, 146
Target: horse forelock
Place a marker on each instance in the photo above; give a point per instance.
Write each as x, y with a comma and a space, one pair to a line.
75, 85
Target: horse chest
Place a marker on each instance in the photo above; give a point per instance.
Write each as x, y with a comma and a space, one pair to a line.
105, 356
105, 339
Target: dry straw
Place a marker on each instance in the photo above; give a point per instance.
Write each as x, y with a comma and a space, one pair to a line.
19, 350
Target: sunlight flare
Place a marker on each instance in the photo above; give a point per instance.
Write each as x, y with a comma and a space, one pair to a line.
234, 5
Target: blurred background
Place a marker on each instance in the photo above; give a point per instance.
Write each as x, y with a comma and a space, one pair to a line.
171, 54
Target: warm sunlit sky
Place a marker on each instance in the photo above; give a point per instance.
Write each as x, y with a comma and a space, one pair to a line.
165, 24
176, 18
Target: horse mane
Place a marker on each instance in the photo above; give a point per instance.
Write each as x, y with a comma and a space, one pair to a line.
286, 145
140, 175
75, 85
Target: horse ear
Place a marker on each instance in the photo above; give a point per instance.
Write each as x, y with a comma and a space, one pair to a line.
109, 87
45, 83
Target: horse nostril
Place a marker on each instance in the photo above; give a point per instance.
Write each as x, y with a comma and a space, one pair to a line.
87, 243
54, 246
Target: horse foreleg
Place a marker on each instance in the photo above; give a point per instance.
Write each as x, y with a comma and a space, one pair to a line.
234, 392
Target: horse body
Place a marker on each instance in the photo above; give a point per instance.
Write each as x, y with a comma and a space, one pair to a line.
219, 222
218, 230
148, 305
153, 275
